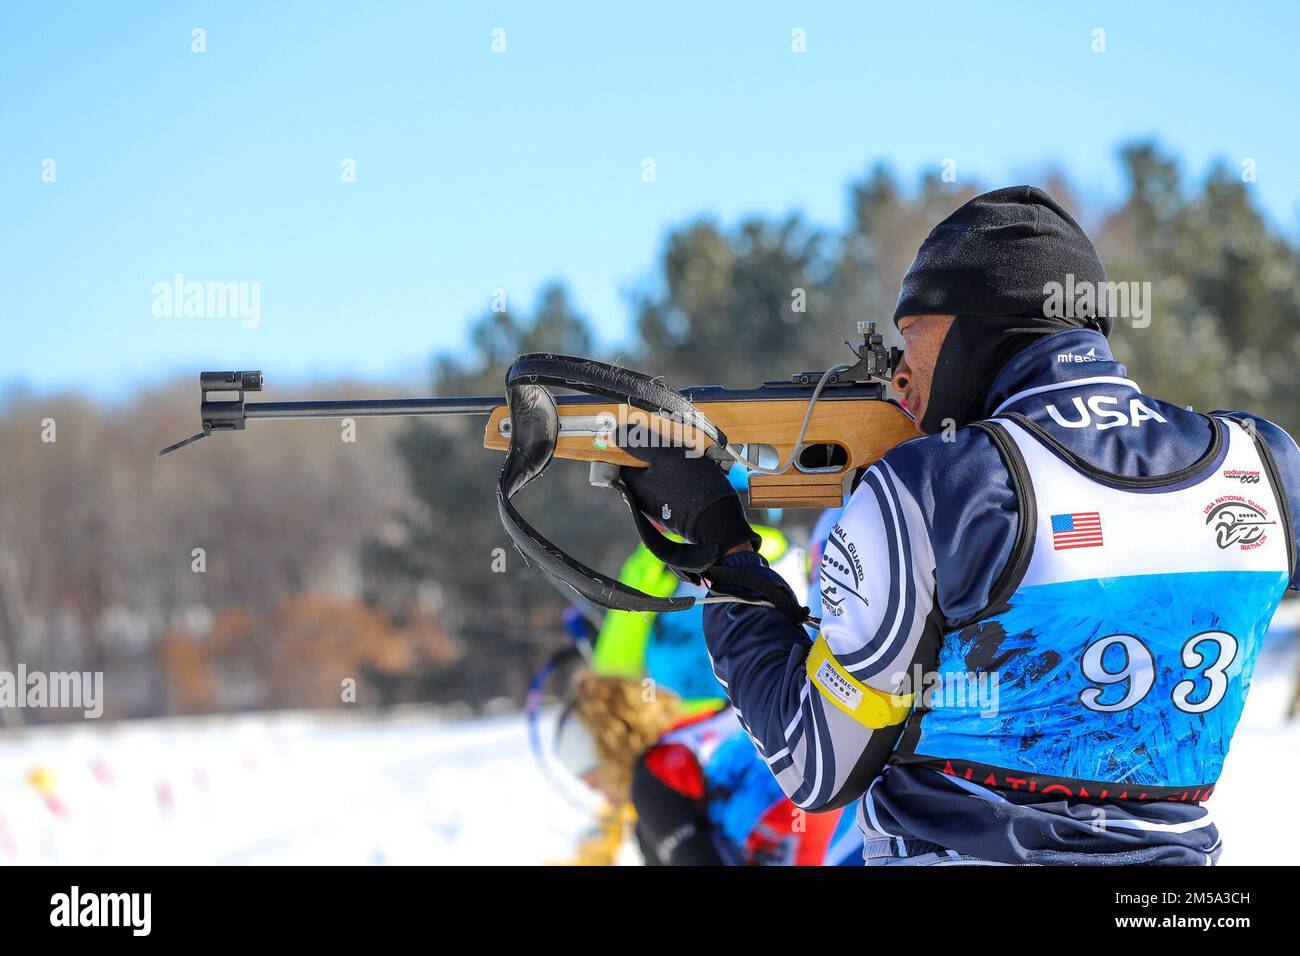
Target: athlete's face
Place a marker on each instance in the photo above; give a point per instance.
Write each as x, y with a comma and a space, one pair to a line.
922, 337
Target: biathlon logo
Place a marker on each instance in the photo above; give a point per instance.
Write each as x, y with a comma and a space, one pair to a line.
1238, 521
133, 910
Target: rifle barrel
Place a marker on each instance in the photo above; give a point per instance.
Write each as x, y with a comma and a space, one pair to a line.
483, 405
381, 406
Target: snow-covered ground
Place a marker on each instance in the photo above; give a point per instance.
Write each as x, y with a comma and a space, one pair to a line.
311, 788
286, 788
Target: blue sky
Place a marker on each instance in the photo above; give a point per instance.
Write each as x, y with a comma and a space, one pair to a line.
478, 170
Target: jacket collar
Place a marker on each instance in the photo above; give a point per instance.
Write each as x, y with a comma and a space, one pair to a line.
1061, 360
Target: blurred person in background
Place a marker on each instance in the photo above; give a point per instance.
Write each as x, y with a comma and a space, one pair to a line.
699, 795
661, 735
669, 649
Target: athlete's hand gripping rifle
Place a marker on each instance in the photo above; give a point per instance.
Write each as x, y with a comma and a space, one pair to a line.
802, 439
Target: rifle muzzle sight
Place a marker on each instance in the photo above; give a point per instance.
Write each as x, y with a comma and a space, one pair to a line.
222, 408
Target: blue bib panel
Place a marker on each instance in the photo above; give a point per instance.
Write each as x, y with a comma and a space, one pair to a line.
1041, 724
1119, 666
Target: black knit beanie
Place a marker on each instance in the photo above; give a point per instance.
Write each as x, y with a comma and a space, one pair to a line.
991, 264
995, 254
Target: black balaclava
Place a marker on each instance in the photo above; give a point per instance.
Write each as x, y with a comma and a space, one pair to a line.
973, 352
990, 264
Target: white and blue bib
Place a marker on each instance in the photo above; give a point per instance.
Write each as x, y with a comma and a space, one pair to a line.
1119, 663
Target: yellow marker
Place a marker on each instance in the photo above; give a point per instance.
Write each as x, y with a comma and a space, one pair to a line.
41, 778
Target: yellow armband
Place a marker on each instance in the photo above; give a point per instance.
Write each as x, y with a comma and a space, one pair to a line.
868, 706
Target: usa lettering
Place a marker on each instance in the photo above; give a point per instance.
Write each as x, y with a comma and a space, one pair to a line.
1102, 412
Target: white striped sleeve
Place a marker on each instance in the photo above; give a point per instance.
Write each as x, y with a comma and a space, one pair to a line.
827, 717
829, 734
877, 577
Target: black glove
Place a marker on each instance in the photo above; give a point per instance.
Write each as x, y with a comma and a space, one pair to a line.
688, 494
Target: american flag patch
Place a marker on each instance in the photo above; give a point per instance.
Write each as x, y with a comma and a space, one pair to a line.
1081, 530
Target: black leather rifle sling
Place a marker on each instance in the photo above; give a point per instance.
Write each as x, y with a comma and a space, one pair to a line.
534, 435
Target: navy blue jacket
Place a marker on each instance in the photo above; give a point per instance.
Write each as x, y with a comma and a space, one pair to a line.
924, 548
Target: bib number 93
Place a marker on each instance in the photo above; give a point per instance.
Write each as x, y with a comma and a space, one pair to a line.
1196, 694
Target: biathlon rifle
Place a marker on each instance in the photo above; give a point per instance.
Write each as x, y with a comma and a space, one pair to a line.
803, 440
